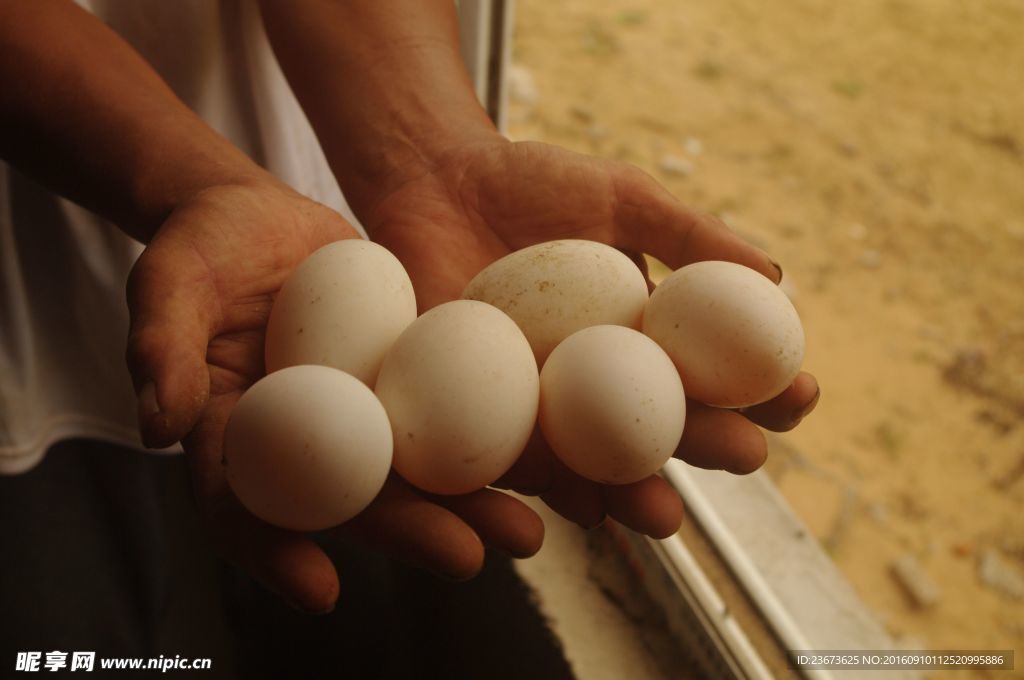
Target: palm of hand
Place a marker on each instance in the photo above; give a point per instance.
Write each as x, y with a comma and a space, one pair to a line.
201, 293
486, 201
200, 296
449, 224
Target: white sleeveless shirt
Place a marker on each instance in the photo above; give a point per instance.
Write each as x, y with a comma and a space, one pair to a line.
63, 316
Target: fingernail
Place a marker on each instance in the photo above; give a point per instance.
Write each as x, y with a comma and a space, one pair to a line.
801, 412
452, 578
778, 268
599, 522
538, 490
149, 408
322, 612
306, 610
148, 405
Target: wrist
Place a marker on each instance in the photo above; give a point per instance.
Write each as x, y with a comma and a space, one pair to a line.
168, 178
401, 161
106, 132
405, 130
383, 85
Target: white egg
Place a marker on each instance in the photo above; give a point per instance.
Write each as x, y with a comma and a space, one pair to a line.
343, 306
732, 333
307, 448
612, 406
551, 290
460, 386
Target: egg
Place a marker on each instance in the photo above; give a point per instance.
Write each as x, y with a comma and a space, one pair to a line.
307, 448
554, 289
732, 333
612, 406
343, 307
460, 386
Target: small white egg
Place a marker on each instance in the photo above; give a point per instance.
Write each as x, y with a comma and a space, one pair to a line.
343, 306
553, 289
460, 386
612, 406
732, 333
307, 448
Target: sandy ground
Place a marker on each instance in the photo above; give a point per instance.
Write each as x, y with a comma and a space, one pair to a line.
876, 149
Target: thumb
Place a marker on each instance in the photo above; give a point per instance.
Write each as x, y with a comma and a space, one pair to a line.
649, 219
170, 298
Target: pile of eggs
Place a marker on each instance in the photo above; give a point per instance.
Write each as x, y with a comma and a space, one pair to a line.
562, 333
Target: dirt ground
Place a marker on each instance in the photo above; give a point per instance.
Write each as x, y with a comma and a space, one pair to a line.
876, 149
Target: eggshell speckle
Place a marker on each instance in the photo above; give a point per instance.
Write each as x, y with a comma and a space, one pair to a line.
553, 289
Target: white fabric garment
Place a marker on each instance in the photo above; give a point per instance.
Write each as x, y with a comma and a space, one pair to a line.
63, 316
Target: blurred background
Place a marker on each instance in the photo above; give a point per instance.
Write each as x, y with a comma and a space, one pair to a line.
876, 149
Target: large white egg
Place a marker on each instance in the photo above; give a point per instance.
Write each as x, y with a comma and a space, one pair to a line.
343, 306
307, 448
460, 386
732, 333
612, 406
551, 290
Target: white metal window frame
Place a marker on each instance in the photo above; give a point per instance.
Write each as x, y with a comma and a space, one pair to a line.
485, 37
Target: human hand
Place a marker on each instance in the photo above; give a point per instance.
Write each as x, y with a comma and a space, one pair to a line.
199, 299
486, 199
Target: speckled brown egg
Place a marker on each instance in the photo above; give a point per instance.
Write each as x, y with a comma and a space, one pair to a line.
553, 289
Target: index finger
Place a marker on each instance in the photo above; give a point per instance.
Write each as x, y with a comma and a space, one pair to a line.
649, 219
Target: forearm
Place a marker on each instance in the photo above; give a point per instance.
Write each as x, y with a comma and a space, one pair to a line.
84, 114
383, 84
